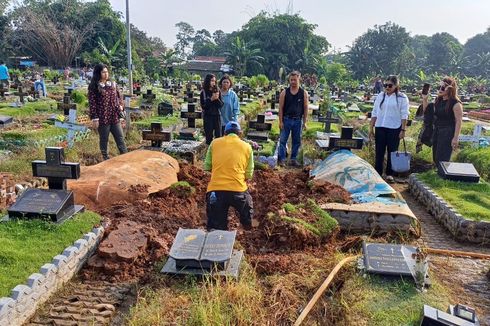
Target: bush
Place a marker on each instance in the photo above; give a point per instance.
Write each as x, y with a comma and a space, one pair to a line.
262, 80
79, 98
480, 158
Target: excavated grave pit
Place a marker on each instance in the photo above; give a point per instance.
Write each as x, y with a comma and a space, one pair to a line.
148, 226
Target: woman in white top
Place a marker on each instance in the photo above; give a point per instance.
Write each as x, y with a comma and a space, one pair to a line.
388, 123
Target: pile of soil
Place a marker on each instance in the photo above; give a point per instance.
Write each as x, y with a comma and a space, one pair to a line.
160, 215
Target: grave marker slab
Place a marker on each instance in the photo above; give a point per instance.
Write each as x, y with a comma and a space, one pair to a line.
197, 252
5, 120
345, 141
56, 203
435, 317
156, 134
259, 129
455, 171
388, 259
165, 109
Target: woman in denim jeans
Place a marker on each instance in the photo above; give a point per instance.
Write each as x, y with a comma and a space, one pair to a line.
106, 110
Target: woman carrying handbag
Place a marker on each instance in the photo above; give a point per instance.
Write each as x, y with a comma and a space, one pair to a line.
388, 124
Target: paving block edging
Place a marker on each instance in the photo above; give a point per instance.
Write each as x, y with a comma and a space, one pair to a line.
462, 229
26, 298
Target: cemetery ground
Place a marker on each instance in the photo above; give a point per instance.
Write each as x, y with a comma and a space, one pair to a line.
287, 256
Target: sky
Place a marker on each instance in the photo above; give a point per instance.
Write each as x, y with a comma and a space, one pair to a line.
340, 21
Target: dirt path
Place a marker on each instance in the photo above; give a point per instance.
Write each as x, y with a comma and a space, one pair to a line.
466, 277
86, 303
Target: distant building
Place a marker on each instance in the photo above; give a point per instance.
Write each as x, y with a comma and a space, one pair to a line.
207, 65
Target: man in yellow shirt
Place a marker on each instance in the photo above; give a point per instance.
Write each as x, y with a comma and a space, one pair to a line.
231, 162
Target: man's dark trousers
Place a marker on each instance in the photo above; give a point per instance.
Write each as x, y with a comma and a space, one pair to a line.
217, 210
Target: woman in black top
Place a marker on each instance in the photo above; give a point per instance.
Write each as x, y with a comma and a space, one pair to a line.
448, 116
211, 104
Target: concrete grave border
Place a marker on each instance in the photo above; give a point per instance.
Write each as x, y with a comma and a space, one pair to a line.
461, 228
25, 299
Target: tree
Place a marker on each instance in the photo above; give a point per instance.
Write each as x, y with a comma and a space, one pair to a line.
185, 37
167, 59
243, 56
444, 54
282, 40
204, 44
39, 32
476, 52
375, 52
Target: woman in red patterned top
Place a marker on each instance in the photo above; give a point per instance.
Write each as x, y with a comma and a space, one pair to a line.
106, 109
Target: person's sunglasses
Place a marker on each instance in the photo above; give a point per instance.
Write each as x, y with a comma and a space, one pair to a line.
388, 85
442, 88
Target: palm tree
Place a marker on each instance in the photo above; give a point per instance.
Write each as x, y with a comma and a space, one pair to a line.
167, 60
242, 56
109, 54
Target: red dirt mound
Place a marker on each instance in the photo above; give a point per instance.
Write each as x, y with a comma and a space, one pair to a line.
161, 214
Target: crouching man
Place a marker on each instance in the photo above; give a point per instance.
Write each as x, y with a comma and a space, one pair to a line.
231, 162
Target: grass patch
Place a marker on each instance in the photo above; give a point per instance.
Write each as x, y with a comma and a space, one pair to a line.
377, 300
26, 245
214, 301
251, 110
268, 148
46, 132
166, 122
472, 200
29, 109
182, 189
324, 224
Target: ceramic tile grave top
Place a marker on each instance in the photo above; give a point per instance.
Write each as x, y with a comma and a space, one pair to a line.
197, 252
388, 259
57, 203
156, 135
458, 172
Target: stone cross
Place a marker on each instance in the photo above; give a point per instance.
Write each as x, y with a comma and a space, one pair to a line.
156, 134
328, 120
20, 93
55, 169
72, 126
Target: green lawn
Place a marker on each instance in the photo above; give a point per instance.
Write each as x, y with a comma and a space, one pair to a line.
472, 200
382, 301
25, 246
165, 121
29, 109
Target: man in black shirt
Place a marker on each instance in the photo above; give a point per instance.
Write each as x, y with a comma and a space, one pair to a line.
293, 113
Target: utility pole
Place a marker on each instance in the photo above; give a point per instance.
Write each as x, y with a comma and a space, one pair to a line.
130, 61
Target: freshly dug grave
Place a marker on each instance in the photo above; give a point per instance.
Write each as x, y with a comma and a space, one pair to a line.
281, 233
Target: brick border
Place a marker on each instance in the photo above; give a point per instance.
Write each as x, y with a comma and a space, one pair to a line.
25, 299
462, 229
